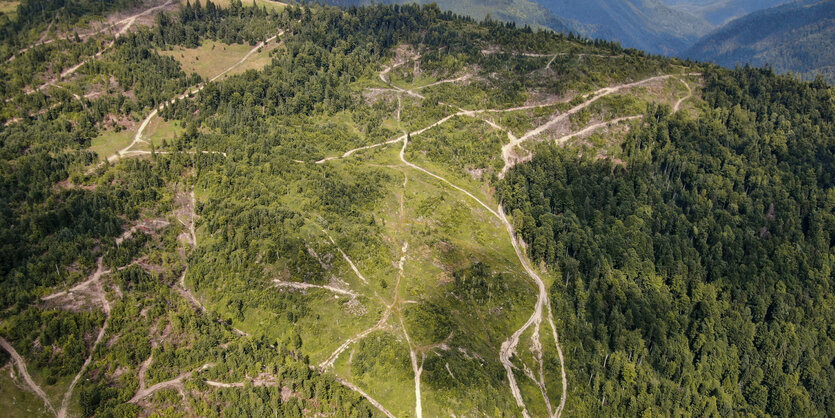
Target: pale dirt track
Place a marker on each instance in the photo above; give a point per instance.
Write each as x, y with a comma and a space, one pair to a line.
306, 286
128, 21
508, 349
677, 106
21, 366
173, 383
65, 403
138, 136
507, 149
594, 127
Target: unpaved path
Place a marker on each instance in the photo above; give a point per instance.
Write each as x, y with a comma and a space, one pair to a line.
254, 382
509, 346
507, 149
594, 127
173, 383
94, 278
381, 324
21, 366
347, 259
143, 369
417, 369
305, 286
182, 289
225, 385
508, 349
464, 77
355, 388
187, 293
129, 20
138, 136
99, 292
143, 152
677, 106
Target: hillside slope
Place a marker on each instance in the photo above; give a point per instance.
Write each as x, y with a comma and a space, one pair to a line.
521, 12
797, 37
394, 211
719, 12
645, 24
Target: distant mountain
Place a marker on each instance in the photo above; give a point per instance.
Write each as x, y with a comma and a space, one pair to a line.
645, 24
650, 25
523, 12
719, 12
798, 37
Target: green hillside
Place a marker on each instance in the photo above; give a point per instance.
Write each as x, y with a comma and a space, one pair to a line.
396, 211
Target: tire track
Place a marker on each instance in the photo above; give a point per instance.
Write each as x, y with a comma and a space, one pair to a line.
21, 366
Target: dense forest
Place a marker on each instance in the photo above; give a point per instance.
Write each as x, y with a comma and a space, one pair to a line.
324, 234
698, 274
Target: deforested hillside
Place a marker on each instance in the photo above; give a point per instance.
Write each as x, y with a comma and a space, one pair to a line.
285, 210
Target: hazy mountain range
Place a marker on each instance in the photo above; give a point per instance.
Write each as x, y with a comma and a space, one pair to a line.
798, 37
729, 32
719, 12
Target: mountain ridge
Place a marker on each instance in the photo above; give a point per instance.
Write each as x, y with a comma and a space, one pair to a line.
797, 37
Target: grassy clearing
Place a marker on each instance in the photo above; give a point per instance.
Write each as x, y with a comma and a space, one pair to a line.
110, 142
9, 8
159, 130
255, 61
16, 402
381, 364
211, 58
55, 392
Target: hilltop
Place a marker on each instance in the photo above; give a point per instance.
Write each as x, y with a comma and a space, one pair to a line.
219, 209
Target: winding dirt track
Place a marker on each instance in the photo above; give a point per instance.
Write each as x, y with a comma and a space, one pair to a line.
173, 383
595, 127
381, 324
507, 149
677, 106
508, 348
65, 402
355, 388
129, 20
138, 136
21, 366
347, 259
305, 286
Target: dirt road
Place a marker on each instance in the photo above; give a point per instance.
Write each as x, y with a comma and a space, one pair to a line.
21, 366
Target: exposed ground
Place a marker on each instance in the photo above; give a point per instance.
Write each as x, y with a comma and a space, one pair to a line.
542, 308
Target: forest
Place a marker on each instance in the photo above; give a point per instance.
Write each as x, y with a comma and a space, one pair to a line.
701, 269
